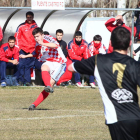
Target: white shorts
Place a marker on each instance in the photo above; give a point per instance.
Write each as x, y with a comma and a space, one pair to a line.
56, 69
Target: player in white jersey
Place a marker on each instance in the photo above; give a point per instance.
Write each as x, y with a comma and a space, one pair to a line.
54, 63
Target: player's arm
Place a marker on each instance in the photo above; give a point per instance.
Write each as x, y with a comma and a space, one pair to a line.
84, 67
1, 34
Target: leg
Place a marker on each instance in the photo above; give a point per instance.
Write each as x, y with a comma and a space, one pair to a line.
91, 81
29, 64
38, 64
3, 71
42, 96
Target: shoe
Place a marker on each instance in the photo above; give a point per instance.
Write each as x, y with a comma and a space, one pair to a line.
31, 107
28, 84
48, 89
3, 84
63, 84
20, 83
79, 84
70, 83
92, 85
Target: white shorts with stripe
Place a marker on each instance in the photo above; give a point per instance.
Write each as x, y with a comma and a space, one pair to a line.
56, 69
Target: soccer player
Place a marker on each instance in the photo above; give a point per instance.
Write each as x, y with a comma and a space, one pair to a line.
54, 65
117, 76
26, 43
78, 50
95, 47
9, 57
110, 26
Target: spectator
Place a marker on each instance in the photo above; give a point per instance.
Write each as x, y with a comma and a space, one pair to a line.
63, 81
95, 47
54, 65
9, 57
110, 26
78, 50
26, 43
117, 76
137, 15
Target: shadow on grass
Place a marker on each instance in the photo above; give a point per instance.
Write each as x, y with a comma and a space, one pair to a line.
39, 109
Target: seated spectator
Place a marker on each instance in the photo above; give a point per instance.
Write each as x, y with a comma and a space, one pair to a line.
66, 77
95, 47
78, 50
9, 57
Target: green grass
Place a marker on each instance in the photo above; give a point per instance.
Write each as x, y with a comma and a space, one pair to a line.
70, 113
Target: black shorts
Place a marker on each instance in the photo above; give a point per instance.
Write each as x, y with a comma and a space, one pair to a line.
125, 130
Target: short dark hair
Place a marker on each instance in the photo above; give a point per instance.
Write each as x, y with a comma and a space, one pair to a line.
30, 13
11, 38
120, 38
59, 31
37, 30
46, 33
78, 33
97, 38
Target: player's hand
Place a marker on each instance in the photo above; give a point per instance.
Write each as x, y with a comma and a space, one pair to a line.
22, 56
134, 54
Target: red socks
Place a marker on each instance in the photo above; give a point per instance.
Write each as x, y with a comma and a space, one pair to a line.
42, 96
46, 78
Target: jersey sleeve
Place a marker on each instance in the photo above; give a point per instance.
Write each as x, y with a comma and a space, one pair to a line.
2, 55
109, 24
85, 66
1, 34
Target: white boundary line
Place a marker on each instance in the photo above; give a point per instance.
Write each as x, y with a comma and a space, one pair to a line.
54, 117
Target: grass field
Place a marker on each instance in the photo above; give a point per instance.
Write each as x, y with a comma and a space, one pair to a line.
70, 113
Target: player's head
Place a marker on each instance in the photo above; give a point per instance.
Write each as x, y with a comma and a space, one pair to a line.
38, 34
78, 37
97, 39
11, 41
29, 16
120, 38
46, 33
59, 34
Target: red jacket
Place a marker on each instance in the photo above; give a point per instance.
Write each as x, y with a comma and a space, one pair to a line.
77, 52
1, 34
110, 26
24, 38
7, 53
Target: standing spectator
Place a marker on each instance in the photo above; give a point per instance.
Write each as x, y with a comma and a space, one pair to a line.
137, 15
67, 75
95, 47
54, 65
117, 76
9, 56
26, 43
78, 50
110, 26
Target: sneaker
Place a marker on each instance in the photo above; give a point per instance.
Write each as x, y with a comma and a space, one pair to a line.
48, 89
31, 107
79, 84
3, 84
20, 83
92, 85
28, 84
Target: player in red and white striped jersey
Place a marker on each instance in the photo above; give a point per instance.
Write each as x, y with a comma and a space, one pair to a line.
54, 63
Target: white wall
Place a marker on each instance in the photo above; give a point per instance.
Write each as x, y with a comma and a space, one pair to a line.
93, 26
